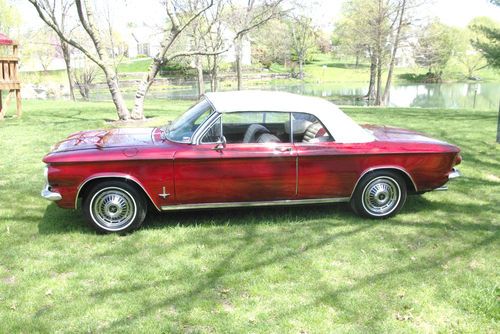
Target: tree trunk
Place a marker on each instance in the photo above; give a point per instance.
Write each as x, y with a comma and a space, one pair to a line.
378, 94
385, 98
238, 54
378, 54
215, 74
84, 91
356, 64
200, 79
209, 65
146, 82
301, 67
106, 64
116, 94
67, 60
373, 74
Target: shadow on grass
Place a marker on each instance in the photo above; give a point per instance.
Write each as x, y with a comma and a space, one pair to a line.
56, 220
332, 294
253, 251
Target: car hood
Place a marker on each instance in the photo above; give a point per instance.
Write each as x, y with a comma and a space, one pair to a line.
385, 133
101, 139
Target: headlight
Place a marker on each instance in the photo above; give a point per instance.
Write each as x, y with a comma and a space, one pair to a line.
46, 174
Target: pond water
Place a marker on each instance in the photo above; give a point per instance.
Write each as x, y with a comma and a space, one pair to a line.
484, 96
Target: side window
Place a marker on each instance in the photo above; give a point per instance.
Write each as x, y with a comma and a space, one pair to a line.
309, 129
213, 134
256, 127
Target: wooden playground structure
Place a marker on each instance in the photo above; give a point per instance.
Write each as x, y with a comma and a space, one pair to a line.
9, 80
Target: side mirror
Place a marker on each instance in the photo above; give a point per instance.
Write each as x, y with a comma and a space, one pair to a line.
221, 144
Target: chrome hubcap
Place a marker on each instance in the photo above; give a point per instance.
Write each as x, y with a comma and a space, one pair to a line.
113, 208
381, 196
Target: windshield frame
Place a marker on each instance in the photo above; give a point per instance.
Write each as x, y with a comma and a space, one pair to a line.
204, 105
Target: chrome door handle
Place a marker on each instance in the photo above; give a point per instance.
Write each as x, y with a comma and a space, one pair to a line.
283, 149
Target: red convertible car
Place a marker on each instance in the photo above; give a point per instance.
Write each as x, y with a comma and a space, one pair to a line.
246, 148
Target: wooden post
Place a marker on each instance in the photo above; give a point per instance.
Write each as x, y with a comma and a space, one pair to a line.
19, 111
9, 81
1, 109
7, 100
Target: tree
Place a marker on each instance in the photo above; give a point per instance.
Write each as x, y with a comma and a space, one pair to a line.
435, 47
346, 42
248, 18
59, 12
400, 19
10, 18
174, 30
372, 22
376, 28
42, 47
272, 43
99, 55
303, 39
471, 59
207, 34
84, 77
487, 39
489, 46
214, 40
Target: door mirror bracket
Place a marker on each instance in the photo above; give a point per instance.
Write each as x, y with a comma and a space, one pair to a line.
221, 144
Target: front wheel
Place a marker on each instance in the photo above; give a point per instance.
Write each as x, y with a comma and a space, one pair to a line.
114, 206
379, 194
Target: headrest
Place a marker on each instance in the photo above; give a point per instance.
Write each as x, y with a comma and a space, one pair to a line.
299, 126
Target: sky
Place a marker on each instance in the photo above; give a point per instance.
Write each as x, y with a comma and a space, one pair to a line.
452, 12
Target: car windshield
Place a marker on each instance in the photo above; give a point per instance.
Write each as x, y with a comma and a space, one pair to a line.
182, 129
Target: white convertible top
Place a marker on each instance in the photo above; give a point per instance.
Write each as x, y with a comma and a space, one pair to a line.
341, 126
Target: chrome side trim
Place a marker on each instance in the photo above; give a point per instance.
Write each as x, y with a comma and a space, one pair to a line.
454, 174
50, 195
252, 204
442, 188
378, 168
113, 176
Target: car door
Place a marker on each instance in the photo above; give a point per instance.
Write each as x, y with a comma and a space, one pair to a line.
326, 169
197, 170
262, 168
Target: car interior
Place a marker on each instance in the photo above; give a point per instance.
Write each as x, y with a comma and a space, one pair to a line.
270, 127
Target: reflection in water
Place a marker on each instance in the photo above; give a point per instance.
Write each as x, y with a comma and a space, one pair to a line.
446, 95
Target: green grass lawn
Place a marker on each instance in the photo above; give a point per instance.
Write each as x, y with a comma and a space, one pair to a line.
137, 65
312, 269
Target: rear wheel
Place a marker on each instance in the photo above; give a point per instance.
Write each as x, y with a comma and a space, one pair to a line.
114, 207
379, 194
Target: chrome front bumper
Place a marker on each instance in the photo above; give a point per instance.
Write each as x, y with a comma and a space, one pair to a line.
50, 195
454, 174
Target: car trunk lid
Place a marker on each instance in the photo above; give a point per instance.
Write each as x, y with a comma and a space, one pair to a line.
385, 133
